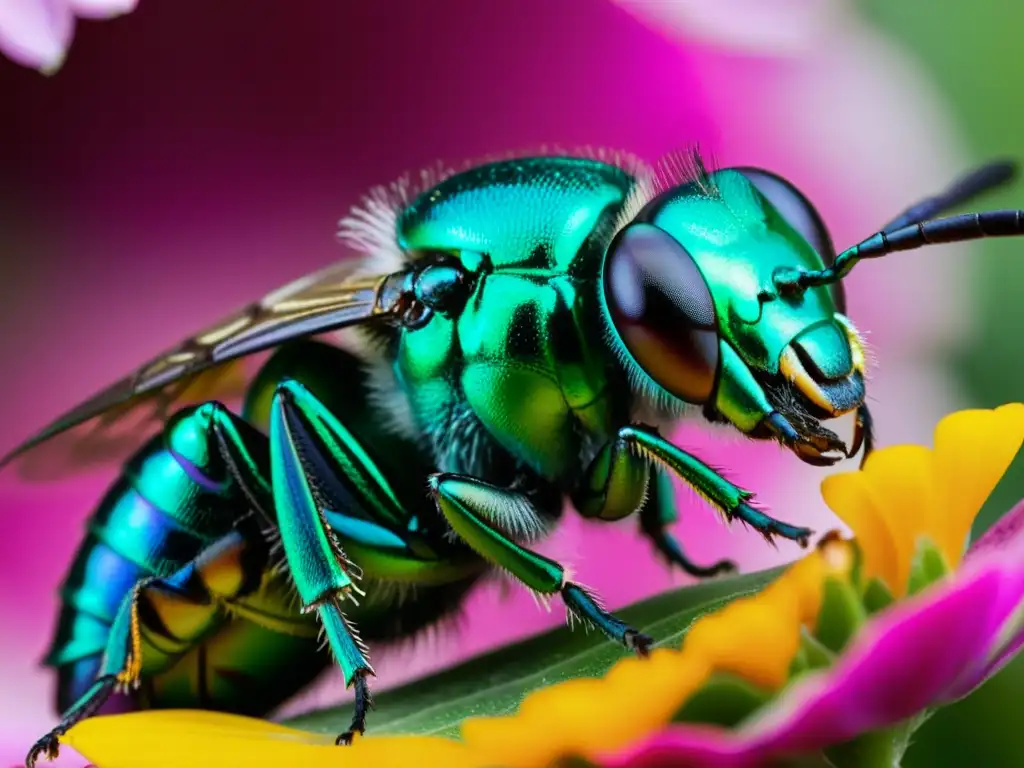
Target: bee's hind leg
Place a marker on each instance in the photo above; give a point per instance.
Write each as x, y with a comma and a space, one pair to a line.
91, 701
330, 493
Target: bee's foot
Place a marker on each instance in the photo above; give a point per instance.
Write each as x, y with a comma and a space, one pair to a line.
47, 747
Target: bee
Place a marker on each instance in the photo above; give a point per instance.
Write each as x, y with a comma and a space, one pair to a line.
522, 333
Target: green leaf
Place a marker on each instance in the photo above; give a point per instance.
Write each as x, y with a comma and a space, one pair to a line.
496, 682
811, 656
841, 615
927, 567
724, 700
877, 597
876, 749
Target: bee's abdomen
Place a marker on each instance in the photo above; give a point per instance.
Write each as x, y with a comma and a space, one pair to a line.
156, 517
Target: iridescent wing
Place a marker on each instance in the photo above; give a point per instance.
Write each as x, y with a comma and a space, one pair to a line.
207, 366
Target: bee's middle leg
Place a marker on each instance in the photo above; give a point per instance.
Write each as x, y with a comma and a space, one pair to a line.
482, 515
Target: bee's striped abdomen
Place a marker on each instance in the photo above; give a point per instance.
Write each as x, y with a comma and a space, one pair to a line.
173, 498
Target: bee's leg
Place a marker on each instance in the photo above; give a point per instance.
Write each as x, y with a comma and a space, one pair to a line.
734, 502
314, 462
618, 483
162, 618
479, 514
331, 495
658, 513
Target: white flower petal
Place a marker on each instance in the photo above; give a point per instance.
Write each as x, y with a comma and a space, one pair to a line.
36, 33
102, 9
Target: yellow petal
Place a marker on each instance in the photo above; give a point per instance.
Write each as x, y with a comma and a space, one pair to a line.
652, 691
755, 637
846, 494
184, 738
549, 724
900, 481
588, 716
796, 594
973, 449
750, 637
758, 637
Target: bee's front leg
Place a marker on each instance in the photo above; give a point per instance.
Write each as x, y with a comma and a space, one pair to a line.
636, 441
618, 483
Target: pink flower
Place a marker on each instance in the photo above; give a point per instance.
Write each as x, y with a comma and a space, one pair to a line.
911, 509
37, 33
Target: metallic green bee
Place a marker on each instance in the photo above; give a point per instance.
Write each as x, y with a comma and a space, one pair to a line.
522, 329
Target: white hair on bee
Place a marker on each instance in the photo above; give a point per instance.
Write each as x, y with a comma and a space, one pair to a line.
690, 165
674, 169
370, 228
860, 337
871, 358
387, 397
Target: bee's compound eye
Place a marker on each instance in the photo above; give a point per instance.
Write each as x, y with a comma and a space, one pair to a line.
662, 310
795, 208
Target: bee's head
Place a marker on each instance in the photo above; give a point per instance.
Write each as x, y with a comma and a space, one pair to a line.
689, 294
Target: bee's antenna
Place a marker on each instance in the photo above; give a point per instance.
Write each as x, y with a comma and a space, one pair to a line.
967, 187
912, 229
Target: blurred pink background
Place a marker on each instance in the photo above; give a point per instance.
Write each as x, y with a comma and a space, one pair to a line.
193, 155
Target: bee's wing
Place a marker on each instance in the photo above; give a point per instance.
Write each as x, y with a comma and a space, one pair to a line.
207, 366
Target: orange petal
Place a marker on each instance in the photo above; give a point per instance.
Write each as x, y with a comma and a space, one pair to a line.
973, 449
549, 723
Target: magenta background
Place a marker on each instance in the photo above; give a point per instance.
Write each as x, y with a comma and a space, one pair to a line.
194, 155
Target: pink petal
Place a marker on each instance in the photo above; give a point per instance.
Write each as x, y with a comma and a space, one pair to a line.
905, 661
1002, 546
36, 33
1006, 653
774, 27
1004, 540
102, 9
